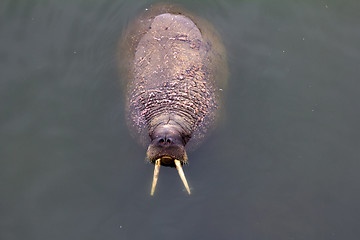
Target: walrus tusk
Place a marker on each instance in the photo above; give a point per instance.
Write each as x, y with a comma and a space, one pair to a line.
156, 176
182, 175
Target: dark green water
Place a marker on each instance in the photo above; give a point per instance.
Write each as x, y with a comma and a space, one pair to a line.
284, 164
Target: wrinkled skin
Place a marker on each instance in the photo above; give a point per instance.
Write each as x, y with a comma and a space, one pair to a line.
176, 70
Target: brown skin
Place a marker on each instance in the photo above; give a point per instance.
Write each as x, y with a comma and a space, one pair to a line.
167, 143
176, 71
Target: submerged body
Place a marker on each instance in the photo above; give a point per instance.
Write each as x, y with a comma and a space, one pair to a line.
176, 68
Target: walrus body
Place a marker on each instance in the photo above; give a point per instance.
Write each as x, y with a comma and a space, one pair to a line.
176, 71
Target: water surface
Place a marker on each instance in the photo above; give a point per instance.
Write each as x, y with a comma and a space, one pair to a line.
283, 164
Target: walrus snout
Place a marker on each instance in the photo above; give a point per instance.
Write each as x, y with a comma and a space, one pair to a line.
167, 144
167, 148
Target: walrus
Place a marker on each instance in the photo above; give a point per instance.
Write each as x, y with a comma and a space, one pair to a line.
176, 73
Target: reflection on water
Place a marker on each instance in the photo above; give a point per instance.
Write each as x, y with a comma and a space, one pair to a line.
282, 165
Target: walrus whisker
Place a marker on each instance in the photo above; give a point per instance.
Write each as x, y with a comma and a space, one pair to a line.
182, 175
156, 176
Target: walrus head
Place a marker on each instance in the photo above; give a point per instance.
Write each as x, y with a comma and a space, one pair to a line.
167, 148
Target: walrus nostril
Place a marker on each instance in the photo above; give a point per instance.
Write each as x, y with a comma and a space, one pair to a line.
165, 141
